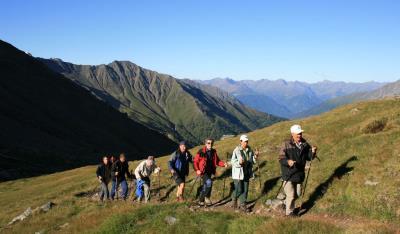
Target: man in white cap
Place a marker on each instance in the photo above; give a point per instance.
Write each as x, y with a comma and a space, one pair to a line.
242, 161
293, 157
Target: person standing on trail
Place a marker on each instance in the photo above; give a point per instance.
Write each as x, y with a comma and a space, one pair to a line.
243, 159
179, 168
205, 163
103, 173
142, 173
293, 156
119, 169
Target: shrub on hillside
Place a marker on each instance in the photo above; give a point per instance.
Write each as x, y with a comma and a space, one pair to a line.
375, 126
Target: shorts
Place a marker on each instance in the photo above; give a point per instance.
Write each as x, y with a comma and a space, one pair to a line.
179, 179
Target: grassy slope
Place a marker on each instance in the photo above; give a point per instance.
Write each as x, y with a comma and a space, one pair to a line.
336, 186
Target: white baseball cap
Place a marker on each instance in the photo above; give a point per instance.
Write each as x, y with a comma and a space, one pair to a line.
296, 129
244, 138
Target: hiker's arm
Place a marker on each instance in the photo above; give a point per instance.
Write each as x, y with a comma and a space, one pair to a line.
171, 162
196, 162
137, 172
254, 157
98, 172
128, 174
190, 157
156, 169
314, 151
114, 169
235, 160
219, 161
283, 160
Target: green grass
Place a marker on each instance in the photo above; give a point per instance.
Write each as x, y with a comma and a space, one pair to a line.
151, 219
338, 134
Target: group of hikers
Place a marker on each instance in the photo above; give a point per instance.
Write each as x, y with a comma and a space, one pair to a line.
293, 157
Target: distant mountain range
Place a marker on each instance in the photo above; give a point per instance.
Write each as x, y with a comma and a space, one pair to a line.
49, 123
180, 109
288, 99
388, 90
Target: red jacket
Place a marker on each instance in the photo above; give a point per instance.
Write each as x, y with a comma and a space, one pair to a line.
200, 161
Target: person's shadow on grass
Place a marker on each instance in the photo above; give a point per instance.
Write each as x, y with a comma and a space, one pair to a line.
321, 189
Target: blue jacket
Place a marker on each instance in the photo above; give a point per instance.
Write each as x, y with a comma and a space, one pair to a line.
139, 188
180, 162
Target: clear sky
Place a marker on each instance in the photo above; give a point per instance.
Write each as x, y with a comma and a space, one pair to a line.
310, 41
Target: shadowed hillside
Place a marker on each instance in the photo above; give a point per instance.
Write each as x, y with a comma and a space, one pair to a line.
49, 123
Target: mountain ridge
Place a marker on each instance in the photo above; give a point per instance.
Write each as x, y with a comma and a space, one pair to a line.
178, 108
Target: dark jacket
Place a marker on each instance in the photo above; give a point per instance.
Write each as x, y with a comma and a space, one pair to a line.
105, 172
122, 168
200, 161
179, 162
288, 151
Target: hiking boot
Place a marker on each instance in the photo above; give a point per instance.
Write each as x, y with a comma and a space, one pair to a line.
243, 208
233, 204
208, 201
201, 203
291, 215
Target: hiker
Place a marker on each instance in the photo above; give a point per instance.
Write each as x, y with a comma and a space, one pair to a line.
178, 165
103, 173
142, 173
113, 159
205, 163
243, 159
119, 169
293, 157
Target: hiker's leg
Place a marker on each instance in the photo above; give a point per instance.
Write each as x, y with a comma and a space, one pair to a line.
106, 191
124, 186
245, 190
298, 190
103, 191
146, 189
242, 197
112, 192
180, 189
209, 184
183, 189
236, 193
290, 194
203, 189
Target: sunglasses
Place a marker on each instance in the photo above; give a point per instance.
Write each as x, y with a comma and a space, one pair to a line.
209, 143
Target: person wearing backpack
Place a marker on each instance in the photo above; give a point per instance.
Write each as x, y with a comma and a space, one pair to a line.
178, 165
205, 163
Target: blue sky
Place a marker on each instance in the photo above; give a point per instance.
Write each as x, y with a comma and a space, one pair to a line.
293, 40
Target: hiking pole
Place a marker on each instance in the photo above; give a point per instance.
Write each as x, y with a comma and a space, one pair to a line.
305, 185
258, 170
283, 184
223, 190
